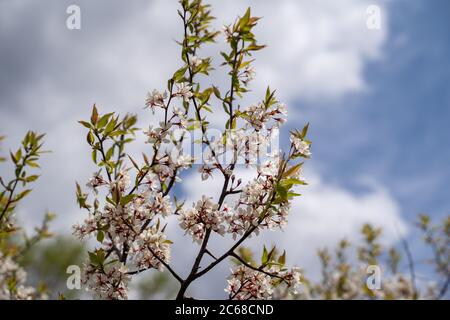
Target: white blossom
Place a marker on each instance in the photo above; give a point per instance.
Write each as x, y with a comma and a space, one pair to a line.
228, 32
96, 181
184, 91
158, 134
150, 248
247, 75
184, 161
302, 147
155, 99
195, 61
248, 284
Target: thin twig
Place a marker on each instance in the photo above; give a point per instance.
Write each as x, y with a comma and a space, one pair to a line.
260, 269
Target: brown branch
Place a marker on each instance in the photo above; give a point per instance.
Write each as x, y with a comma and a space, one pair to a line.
210, 254
260, 269
444, 288
231, 297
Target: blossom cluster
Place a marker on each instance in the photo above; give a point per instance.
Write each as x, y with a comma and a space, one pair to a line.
128, 224
259, 115
251, 209
236, 147
107, 282
248, 284
204, 215
301, 146
150, 244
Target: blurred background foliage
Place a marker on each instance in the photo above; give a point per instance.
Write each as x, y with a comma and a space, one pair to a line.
48, 261
45, 257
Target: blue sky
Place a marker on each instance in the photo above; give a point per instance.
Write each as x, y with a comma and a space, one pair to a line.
399, 131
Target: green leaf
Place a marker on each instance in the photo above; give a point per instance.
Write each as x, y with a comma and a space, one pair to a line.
100, 236
104, 120
78, 188
255, 47
293, 194
134, 163
94, 115
271, 253
97, 258
127, 199
265, 256
93, 258
117, 133
18, 155
94, 156
179, 74
13, 158
282, 192
225, 56
292, 181
32, 164
32, 178
85, 124
22, 195
90, 138
245, 19
216, 92
109, 153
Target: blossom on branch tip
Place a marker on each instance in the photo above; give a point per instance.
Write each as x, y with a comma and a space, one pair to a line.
155, 99
184, 91
96, 181
107, 282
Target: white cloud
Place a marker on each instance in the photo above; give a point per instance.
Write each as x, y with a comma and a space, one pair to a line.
316, 49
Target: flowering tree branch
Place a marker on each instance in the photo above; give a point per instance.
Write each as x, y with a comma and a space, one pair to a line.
129, 225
